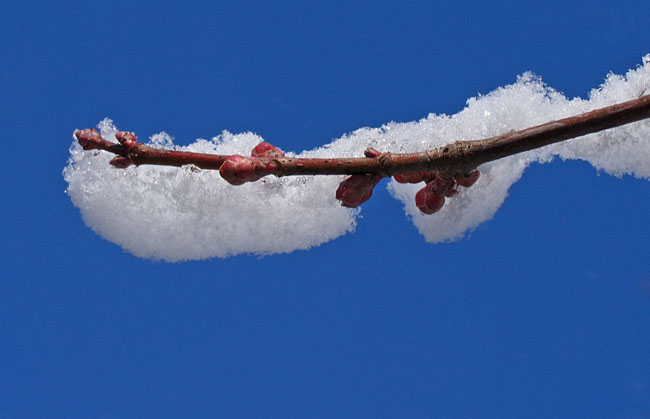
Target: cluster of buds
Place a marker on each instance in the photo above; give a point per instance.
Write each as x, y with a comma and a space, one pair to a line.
263, 161
238, 170
89, 138
357, 189
431, 198
128, 140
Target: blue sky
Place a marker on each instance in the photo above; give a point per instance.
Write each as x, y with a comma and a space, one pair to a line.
542, 311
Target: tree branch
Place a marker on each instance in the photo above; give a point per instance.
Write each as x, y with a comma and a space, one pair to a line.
443, 169
461, 156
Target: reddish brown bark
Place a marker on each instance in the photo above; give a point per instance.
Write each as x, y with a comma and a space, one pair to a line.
460, 157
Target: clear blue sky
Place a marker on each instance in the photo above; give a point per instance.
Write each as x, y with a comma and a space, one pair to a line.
543, 311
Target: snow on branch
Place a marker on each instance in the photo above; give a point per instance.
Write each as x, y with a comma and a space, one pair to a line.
163, 212
459, 157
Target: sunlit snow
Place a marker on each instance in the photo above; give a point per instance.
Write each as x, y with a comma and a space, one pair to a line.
179, 214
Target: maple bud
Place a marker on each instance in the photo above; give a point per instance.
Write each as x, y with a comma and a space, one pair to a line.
356, 189
88, 138
265, 149
238, 170
428, 201
467, 179
126, 138
120, 162
371, 152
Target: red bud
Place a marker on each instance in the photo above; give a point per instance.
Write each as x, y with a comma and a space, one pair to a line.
238, 170
438, 186
88, 138
120, 162
371, 152
443, 187
468, 179
356, 189
267, 150
126, 138
427, 201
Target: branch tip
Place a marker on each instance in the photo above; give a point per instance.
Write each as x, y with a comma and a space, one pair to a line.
89, 138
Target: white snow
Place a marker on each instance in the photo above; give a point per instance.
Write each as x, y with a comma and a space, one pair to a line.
179, 214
